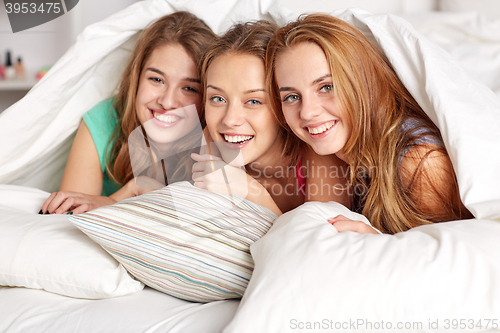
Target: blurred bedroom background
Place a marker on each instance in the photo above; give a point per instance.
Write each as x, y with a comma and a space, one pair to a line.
40, 47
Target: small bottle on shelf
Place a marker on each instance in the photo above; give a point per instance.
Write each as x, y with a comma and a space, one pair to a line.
10, 71
20, 69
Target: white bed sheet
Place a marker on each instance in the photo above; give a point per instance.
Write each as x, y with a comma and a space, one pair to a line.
38, 311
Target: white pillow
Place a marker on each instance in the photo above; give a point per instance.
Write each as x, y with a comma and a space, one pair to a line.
184, 241
310, 278
488, 8
48, 252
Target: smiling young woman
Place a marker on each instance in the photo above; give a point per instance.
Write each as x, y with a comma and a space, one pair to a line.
336, 92
159, 94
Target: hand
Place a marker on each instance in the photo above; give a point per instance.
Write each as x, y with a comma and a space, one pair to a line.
75, 202
342, 224
136, 186
213, 174
143, 184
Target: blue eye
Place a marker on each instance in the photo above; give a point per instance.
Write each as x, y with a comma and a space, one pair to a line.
291, 98
326, 88
254, 102
217, 99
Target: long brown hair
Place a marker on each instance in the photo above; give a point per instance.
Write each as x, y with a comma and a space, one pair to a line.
377, 106
180, 28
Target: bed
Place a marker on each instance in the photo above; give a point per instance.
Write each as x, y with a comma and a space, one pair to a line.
438, 278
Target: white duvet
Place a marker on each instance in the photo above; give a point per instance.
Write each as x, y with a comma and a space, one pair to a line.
36, 134
470, 38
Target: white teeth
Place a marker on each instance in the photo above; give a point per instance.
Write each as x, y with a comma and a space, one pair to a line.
237, 138
322, 128
166, 118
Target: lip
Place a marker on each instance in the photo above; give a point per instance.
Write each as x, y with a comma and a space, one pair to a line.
161, 123
325, 133
235, 146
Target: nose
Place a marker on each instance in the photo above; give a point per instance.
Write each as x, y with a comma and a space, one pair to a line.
234, 116
170, 98
310, 108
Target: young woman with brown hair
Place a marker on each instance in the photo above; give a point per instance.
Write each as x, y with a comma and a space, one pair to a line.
335, 91
159, 89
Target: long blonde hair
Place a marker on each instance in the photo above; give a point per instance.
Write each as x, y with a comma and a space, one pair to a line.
180, 28
377, 106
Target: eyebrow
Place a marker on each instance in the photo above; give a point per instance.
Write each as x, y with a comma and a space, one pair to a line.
321, 78
318, 80
253, 90
214, 87
245, 92
155, 70
287, 89
161, 73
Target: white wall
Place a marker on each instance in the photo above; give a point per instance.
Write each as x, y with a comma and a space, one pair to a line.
44, 45
91, 11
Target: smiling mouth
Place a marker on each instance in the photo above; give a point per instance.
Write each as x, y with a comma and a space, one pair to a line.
322, 128
165, 117
236, 139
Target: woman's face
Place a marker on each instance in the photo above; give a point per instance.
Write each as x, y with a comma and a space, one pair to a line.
309, 104
238, 114
169, 94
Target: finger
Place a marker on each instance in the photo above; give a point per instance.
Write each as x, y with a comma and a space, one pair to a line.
215, 158
206, 166
66, 205
200, 158
199, 185
204, 157
45, 205
343, 225
80, 209
338, 218
198, 167
355, 226
333, 222
57, 201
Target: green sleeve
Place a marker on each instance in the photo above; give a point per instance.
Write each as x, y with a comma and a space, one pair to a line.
101, 120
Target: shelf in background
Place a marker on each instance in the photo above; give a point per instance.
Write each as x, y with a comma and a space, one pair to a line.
12, 85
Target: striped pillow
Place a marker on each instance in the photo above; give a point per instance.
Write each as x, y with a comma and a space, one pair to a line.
181, 240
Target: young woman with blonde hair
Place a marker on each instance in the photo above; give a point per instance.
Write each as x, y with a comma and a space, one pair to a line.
160, 98
241, 122
336, 92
